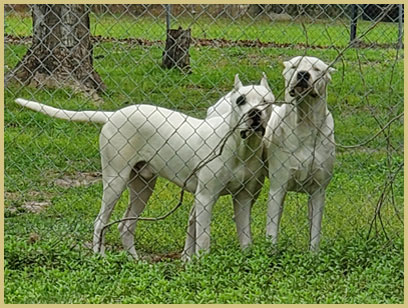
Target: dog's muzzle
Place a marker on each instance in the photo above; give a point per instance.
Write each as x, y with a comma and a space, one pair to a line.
302, 85
254, 122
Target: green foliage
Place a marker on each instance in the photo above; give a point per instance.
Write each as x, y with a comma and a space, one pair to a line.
349, 272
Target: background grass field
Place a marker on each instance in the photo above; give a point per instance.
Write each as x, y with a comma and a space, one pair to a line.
47, 256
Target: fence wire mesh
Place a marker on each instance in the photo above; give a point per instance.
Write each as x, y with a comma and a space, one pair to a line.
107, 57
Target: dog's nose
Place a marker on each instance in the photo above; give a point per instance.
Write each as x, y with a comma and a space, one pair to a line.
303, 75
255, 116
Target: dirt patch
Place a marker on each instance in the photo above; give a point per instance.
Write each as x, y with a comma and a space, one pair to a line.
165, 257
37, 201
144, 256
32, 201
11, 196
35, 207
32, 238
218, 42
33, 194
79, 179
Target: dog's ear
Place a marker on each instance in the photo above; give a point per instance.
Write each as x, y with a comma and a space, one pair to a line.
264, 82
237, 82
329, 71
287, 64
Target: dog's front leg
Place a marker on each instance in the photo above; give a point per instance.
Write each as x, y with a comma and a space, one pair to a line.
242, 218
189, 247
276, 197
316, 206
204, 201
243, 202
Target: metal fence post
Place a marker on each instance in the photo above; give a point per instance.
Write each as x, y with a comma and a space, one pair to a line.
353, 26
168, 13
400, 26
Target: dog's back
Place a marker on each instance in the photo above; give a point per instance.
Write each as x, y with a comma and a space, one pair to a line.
171, 142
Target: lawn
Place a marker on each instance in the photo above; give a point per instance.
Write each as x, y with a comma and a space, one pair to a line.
320, 32
47, 255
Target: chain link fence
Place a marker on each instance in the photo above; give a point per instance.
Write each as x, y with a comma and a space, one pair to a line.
107, 57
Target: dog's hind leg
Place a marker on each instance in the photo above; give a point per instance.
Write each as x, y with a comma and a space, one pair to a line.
141, 186
113, 188
316, 206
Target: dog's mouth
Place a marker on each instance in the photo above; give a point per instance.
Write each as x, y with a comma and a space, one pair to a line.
248, 132
302, 89
258, 129
254, 122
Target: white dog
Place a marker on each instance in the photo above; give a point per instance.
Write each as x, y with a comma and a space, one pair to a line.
300, 143
141, 142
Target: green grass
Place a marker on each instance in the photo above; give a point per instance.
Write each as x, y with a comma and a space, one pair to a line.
339, 274
58, 267
320, 32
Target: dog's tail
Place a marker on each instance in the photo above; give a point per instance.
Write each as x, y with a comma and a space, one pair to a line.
100, 117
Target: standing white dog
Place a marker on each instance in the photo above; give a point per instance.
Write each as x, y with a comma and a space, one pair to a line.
299, 140
141, 142
300, 143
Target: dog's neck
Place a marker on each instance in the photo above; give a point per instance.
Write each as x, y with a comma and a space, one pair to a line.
311, 111
243, 148
247, 149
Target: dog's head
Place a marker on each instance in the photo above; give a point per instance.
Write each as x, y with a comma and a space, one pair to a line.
252, 106
306, 76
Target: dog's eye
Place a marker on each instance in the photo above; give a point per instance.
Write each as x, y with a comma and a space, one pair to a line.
316, 69
241, 100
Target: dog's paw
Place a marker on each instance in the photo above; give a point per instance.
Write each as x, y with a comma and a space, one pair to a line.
185, 257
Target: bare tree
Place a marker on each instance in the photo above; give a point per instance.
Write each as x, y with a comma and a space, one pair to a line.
61, 50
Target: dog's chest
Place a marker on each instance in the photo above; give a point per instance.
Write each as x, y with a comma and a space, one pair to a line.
244, 171
307, 156
302, 162
241, 177
307, 170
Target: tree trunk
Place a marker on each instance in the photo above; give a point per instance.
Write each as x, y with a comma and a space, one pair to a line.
61, 51
176, 51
